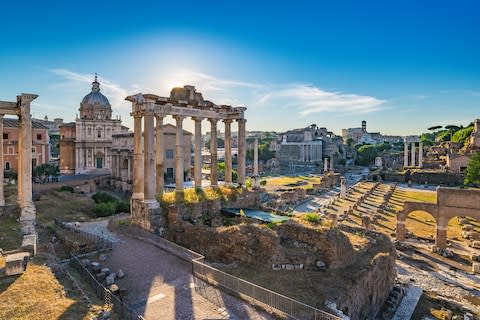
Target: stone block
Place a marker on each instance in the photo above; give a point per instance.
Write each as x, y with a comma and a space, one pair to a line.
100, 276
476, 268
106, 271
110, 279
120, 274
289, 267
85, 262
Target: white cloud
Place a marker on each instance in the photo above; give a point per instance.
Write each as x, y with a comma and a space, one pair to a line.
309, 99
303, 99
114, 92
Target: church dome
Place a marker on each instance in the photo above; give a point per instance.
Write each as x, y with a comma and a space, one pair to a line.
95, 105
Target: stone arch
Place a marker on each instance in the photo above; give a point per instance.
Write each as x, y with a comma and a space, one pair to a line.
124, 169
410, 207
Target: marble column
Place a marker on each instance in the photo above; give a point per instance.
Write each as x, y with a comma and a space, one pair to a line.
420, 155
137, 156
159, 154
179, 154
302, 153
27, 218
149, 185
325, 165
405, 154
242, 152
2, 197
197, 168
331, 164
412, 154
213, 152
228, 151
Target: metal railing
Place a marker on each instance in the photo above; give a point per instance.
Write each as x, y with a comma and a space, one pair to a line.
256, 295
261, 297
118, 306
81, 241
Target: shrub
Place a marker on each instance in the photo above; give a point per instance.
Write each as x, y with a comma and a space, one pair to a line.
66, 189
103, 197
312, 218
105, 209
123, 206
263, 182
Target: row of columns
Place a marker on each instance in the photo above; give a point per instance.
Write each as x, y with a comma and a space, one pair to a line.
412, 155
149, 164
310, 152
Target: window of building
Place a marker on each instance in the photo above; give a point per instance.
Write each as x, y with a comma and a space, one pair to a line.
169, 153
39, 137
11, 150
5, 136
89, 131
169, 173
99, 133
7, 166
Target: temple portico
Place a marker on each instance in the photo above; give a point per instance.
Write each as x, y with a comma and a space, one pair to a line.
183, 103
21, 109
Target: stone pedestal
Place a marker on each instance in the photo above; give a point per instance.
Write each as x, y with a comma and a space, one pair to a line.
441, 237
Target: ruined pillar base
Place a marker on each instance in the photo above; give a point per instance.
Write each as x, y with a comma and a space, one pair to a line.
147, 215
179, 196
27, 225
29, 243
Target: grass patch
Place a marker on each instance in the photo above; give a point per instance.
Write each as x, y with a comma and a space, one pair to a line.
37, 294
312, 218
195, 195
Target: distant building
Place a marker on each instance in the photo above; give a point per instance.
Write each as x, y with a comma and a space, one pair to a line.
53, 134
122, 157
361, 136
457, 162
305, 146
90, 149
40, 143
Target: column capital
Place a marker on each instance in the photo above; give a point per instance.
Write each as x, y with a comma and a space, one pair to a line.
213, 120
227, 121
179, 117
241, 120
198, 119
136, 114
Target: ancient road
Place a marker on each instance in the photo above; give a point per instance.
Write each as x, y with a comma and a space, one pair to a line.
161, 286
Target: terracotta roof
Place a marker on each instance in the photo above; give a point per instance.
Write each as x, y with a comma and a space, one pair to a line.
13, 123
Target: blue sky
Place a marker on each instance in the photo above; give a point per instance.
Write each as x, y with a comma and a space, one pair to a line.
402, 66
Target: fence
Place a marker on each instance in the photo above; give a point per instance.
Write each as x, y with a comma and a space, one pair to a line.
81, 241
259, 296
120, 308
252, 293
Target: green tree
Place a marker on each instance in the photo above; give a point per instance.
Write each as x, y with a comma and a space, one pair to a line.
462, 135
366, 154
472, 176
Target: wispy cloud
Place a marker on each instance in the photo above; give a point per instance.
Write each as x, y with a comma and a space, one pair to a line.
305, 99
114, 92
309, 99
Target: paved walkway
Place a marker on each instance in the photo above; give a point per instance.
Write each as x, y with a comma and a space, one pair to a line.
161, 286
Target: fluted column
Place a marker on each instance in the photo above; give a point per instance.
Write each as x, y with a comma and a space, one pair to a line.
228, 151
2, 197
179, 154
242, 152
213, 152
197, 169
412, 154
405, 154
137, 156
159, 154
420, 155
149, 185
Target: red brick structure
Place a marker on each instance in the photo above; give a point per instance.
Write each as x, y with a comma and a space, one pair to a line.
40, 144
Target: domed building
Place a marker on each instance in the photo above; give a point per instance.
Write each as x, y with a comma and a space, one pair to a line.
85, 145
